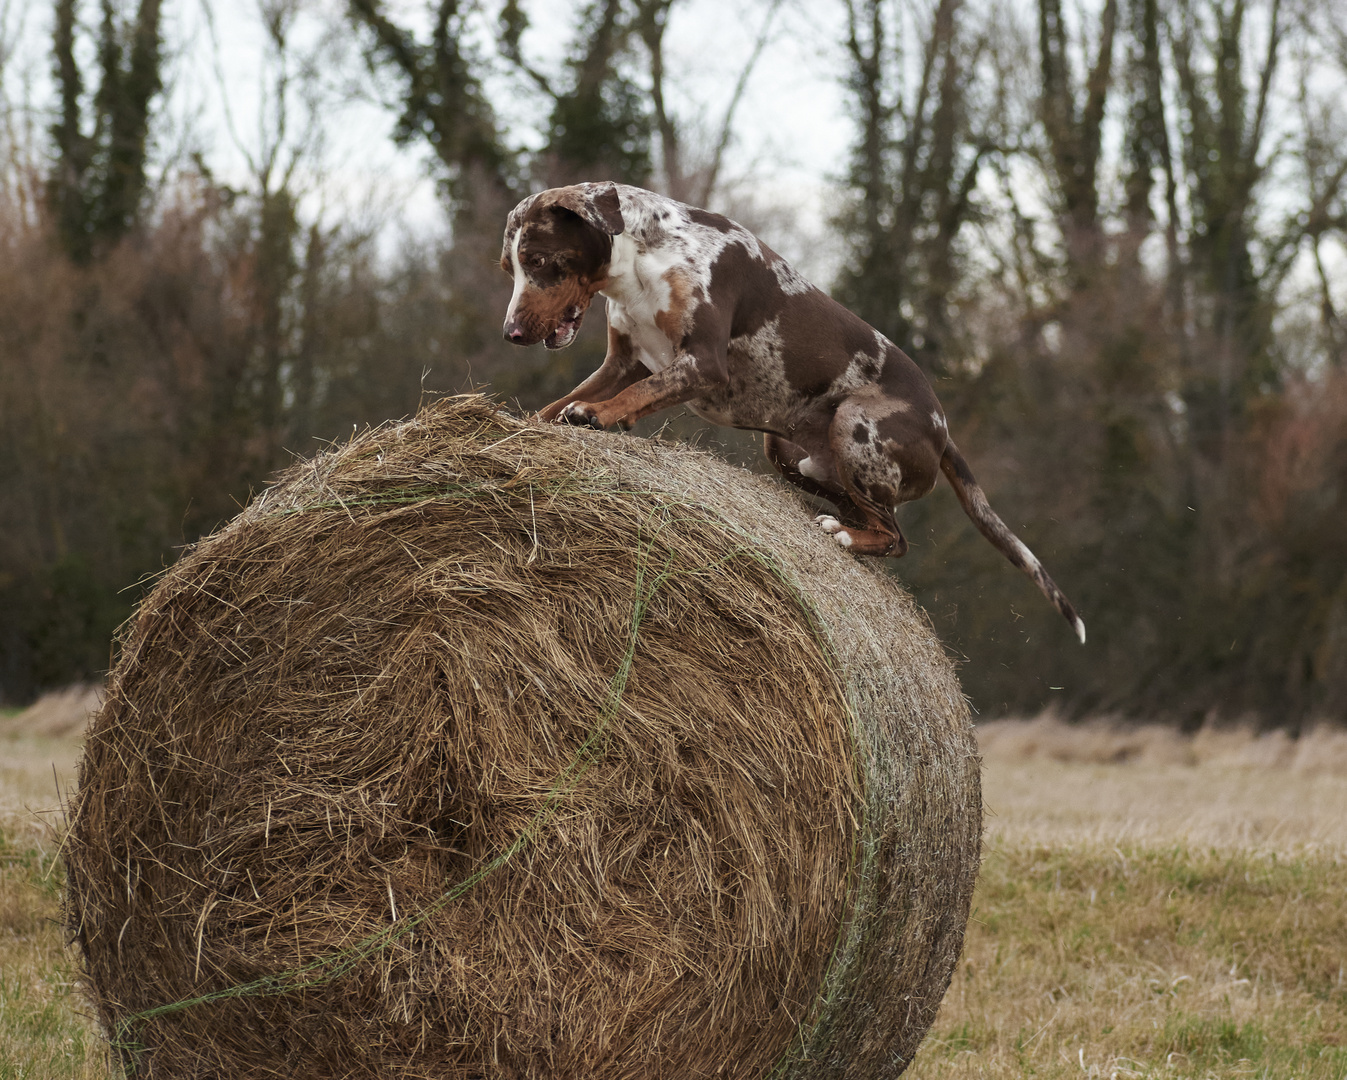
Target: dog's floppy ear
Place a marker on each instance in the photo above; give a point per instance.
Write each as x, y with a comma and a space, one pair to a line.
595, 204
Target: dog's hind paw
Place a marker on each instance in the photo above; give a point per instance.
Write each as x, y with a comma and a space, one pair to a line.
834, 528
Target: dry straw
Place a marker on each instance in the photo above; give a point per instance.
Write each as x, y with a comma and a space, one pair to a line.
478, 748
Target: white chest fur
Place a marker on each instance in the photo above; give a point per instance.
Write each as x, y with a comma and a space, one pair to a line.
652, 345
637, 291
662, 263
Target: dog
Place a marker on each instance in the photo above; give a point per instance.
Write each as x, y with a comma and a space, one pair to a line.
702, 313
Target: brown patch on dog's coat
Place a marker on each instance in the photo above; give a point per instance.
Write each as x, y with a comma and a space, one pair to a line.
676, 319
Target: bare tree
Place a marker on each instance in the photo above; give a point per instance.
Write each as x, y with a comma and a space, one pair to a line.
1226, 157
1322, 153
442, 99
98, 179
1075, 131
686, 176
921, 149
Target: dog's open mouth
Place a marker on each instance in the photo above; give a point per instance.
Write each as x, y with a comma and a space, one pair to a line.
566, 330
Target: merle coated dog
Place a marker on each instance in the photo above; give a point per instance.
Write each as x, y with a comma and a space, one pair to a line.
702, 313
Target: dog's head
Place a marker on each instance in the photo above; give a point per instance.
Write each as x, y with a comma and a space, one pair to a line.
558, 246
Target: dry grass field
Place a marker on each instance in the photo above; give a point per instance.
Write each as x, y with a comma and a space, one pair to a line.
44, 1032
1150, 906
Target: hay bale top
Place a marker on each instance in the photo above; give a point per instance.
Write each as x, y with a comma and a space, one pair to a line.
480, 747
467, 447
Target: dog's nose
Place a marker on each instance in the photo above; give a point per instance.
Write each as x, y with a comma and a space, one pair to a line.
514, 333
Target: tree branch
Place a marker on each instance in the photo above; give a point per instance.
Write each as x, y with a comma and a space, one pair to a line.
726, 126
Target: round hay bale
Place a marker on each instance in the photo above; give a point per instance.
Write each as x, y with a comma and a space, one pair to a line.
482, 748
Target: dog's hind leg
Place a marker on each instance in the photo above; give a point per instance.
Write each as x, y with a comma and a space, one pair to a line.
886, 455
861, 524
814, 474
878, 534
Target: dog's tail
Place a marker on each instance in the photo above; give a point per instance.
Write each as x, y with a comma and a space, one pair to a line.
975, 505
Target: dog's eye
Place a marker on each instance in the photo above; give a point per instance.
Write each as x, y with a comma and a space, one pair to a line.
537, 261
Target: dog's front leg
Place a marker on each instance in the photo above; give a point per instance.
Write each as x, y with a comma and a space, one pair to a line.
686, 378
620, 368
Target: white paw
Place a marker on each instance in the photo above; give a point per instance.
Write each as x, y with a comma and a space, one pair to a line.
834, 528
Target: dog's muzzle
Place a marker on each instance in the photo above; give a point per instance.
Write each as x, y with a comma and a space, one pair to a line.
518, 333
566, 329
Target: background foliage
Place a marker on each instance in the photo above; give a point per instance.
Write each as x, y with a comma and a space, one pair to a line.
1112, 234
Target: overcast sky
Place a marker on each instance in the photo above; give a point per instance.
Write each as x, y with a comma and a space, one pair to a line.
791, 132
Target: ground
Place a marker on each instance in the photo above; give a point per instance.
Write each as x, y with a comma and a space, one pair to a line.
1149, 906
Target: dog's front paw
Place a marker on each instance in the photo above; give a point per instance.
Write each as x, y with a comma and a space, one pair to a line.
834, 528
581, 415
